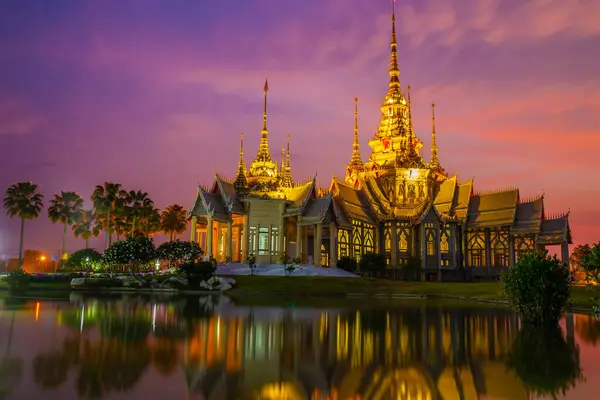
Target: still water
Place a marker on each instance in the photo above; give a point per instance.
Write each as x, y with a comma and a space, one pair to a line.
215, 348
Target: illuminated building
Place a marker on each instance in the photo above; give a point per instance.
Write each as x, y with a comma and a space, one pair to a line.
395, 203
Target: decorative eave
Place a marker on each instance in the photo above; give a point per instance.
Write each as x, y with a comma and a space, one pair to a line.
295, 211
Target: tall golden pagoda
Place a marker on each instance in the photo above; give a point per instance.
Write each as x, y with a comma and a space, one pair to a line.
395, 203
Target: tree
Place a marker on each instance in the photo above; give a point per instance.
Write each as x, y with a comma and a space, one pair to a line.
590, 262
24, 201
65, 209
83, 258
578, 253
107, 198
178, 252
149, 221
138, 203
132, 253
173, 220
538, 288
85, 226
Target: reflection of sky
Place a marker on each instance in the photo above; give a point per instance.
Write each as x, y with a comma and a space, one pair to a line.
153, 95
273, 340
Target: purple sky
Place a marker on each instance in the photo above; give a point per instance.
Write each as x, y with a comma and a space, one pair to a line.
153, 94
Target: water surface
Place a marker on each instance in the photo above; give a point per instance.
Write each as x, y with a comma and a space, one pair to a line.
215, 348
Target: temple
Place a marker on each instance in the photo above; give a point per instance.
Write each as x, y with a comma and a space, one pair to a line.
396, 203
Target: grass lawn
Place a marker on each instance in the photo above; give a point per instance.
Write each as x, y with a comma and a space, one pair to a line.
322, 286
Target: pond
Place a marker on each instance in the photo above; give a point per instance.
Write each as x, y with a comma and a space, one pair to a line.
212, 347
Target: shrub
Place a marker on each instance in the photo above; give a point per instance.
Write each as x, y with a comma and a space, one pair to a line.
289, 264
412, 269
83, 259
179, 252
538, 288
134, 254
197, 272
252, 263
347, 263
590, 264
18, 280
372, 262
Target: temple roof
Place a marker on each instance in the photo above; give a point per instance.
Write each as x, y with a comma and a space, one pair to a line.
353, 201
462, 198
445, 196
299, 196
229, 195
316, 209
555, 231
493, 209
528, 217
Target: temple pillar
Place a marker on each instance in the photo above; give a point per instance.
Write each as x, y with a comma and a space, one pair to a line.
453, 246
193, 223
318, 241
305, 244
245, 239
209, 236
394, 245
423, 251
564, 254
511, 250
438, 250
299, 238
282, 234
332, 245
488, 251
228, 243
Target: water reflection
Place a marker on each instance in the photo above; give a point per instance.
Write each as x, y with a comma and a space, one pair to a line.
219, 350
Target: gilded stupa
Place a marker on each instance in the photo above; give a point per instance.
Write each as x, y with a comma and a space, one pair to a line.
396, 202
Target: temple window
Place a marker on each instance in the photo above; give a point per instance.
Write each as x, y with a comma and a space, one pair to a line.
476, 249
430, 237
274, 241
444, 246
343, 243
523, 244
252, 239
324, 256
387, 241
500, 248
403, 242
263, 241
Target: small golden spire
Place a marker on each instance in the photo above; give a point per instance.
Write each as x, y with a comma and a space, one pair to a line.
282, 168
241, 182
394, 70
410, 137
287, 161
434, 149
356, 159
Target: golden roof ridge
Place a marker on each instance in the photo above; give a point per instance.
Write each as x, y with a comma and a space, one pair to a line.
497, 191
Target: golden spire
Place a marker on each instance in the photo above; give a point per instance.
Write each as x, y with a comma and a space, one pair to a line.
410, 136
263, 165
286, 179
356, 159
394, 70
264, 142
287, 161
282, 168
241, 182
434, 149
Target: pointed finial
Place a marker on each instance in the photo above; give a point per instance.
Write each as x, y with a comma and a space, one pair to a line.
241, 145
394, 70
434, 149
241, 181
356, 160
266, 89
410, 135
282, 160
287, 162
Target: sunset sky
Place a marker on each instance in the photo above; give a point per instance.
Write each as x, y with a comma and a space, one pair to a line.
154, 94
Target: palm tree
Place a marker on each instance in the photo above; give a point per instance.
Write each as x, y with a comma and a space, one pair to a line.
23, 200
150, 221
107, 198
138, 203
173, 220
65, 209
85, 226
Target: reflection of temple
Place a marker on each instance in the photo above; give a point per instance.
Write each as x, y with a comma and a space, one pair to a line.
396, 203
408, 354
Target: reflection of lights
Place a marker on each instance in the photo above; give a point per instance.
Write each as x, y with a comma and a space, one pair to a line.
82, 316
153, 317
37, 310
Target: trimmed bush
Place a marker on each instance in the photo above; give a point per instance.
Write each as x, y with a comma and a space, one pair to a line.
347, 263
18, 281
372, 263
135, 254
178, 252
83, 259
538, 288
197, 272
